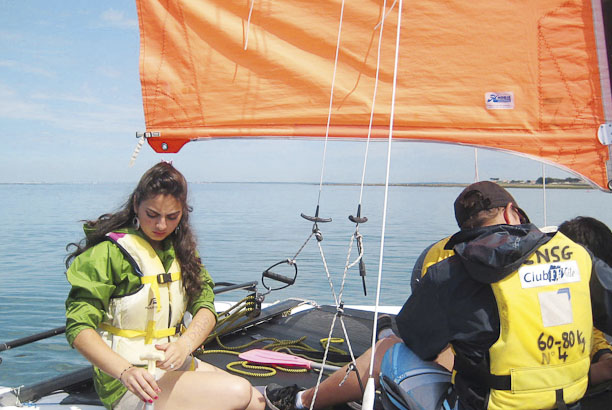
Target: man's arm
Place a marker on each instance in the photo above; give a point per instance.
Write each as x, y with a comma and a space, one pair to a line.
423, 320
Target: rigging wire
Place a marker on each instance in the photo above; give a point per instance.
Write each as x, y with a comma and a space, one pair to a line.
357, 235
331, 99
368, 397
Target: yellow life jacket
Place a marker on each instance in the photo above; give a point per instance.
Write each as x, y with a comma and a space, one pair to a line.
152, 315
542, 355
436, 254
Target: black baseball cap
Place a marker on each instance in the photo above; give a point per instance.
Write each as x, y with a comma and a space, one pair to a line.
481, 196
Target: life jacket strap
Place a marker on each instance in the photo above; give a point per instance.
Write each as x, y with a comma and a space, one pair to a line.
492, 381
149, 334
160, 279
561, 405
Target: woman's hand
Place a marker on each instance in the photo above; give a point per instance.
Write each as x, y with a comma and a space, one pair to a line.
136, 379
176, 352
140, 382
175, 355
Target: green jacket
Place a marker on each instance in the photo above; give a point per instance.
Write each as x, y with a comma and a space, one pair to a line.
101, 273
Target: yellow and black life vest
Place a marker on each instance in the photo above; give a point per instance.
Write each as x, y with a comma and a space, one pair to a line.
436, 254
152, 315
542, 356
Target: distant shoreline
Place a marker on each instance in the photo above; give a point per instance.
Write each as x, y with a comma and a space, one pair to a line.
464, 184
513, 184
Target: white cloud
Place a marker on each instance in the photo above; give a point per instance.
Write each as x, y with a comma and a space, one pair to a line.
13, 106
117, 18
68, 112
25, 68
109, 72
65, 97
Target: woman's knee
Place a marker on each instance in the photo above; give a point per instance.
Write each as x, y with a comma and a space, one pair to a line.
239, 390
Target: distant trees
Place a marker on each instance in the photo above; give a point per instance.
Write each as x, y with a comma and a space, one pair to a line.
550, 180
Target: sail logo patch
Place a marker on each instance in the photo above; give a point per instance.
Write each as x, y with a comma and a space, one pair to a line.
499, 101
546, 274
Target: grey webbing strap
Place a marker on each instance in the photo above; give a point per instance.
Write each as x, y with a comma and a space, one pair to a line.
560, 402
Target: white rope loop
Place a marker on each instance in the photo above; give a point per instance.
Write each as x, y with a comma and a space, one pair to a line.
359, 239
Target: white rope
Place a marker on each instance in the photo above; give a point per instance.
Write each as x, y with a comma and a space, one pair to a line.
331, 100
292, 260
314, 396
384, 218
382, 21
476, 176
365, 160
246, 39
141, 141
338, 301
544, 192
357, 236
331, 284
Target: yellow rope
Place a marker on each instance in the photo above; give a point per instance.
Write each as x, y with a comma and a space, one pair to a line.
291, 369
227, 324
271, 369
245, 364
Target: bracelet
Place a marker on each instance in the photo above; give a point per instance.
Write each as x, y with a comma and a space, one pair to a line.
125, 370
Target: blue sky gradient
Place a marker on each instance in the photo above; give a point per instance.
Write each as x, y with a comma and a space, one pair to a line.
70, 105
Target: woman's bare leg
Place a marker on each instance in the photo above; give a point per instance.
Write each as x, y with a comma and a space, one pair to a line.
207, 388
257, 399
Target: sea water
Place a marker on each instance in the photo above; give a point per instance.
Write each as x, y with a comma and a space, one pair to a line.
242, 230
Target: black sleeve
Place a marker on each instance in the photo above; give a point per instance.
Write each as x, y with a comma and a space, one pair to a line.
601, 295
422, 322
417, 270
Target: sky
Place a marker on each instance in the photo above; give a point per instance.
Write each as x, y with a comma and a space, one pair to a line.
70, 107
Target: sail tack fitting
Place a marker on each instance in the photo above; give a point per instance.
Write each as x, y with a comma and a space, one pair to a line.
142, 136
604, 134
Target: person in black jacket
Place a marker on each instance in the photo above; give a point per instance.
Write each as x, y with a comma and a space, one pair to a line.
597, 238
514, 304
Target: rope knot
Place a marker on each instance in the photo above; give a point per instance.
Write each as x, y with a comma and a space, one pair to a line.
340, 309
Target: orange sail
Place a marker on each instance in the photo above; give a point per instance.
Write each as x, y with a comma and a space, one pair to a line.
526, 76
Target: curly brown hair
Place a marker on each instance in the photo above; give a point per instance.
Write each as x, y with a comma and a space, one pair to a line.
161, 179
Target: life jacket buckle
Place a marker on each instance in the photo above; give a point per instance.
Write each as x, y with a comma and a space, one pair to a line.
164, 278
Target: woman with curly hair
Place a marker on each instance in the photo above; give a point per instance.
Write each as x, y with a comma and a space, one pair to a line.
133, 276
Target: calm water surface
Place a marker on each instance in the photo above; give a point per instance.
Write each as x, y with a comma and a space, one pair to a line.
242, 230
